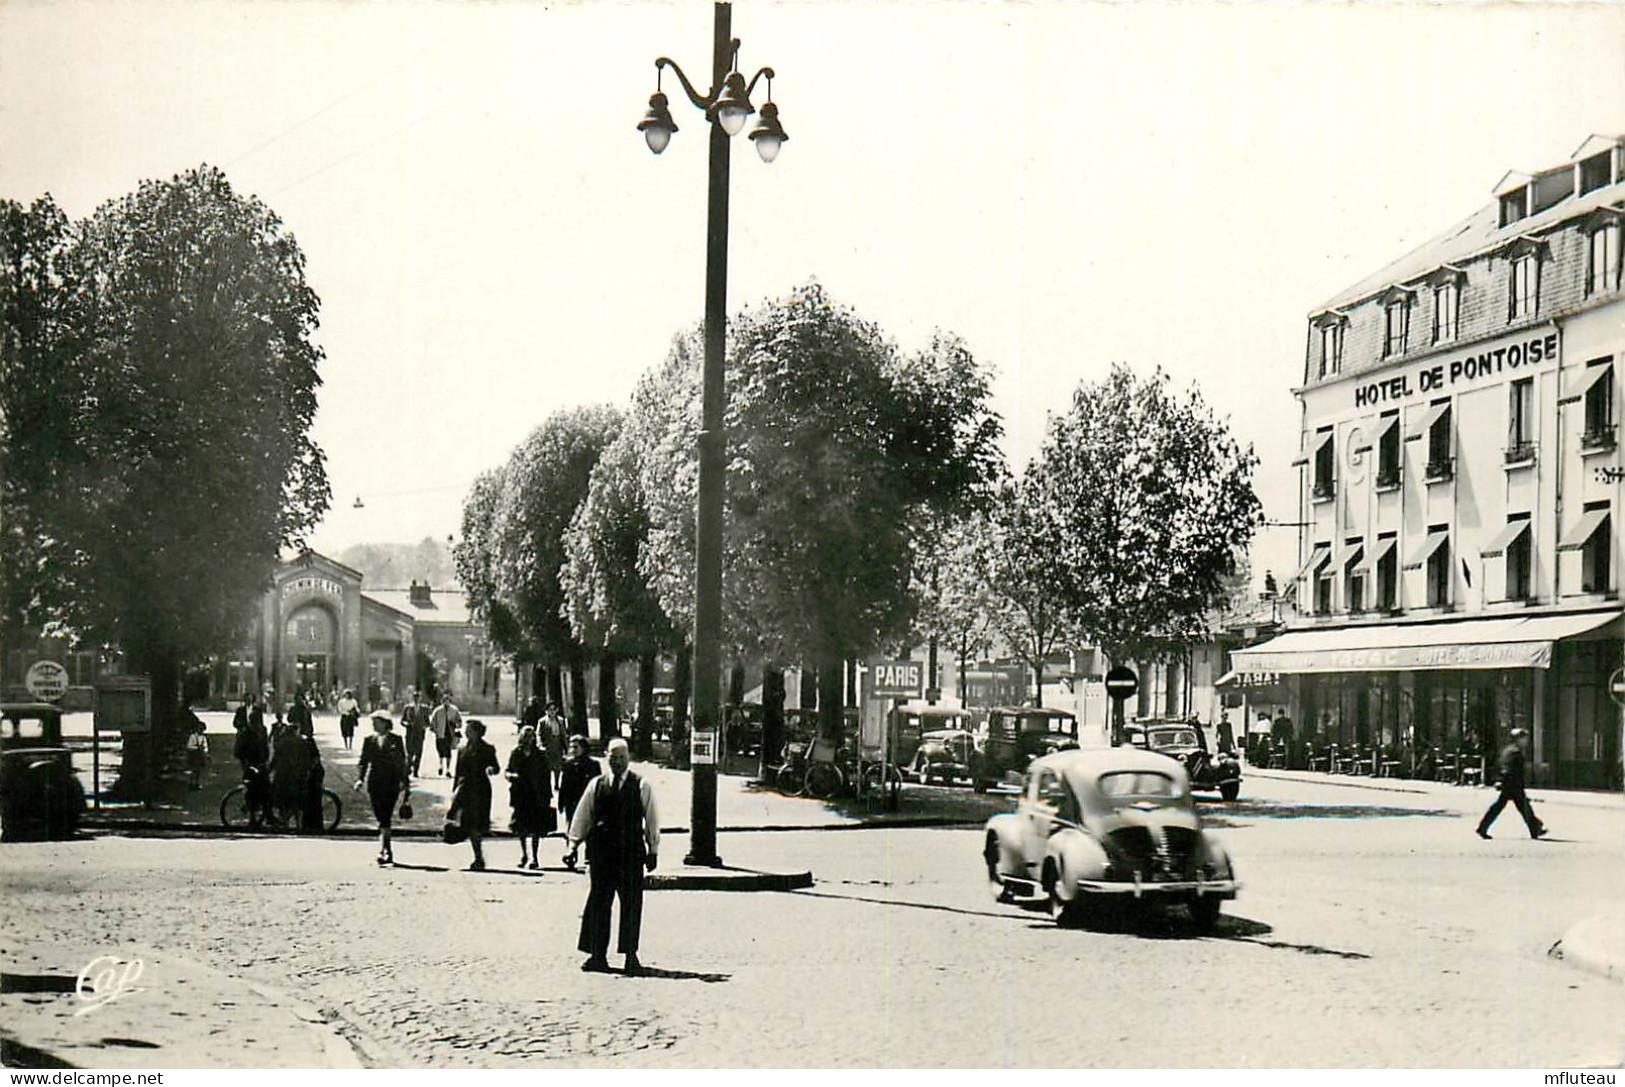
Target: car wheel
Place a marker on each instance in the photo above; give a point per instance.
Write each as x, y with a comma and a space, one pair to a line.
1230, 789
996, 886
1205, 912
1066, 914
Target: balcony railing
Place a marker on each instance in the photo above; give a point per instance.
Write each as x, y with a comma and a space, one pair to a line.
1600, 436
1388, 477
1440, 469
1520, 453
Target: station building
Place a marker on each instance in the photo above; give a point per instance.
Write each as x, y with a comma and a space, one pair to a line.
319, 627
1460, 477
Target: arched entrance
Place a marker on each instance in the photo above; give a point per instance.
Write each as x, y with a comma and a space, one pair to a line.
310, 640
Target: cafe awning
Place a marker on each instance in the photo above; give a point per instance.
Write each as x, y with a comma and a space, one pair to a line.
1513, 642
1505, 539
1582, 381
1427, 421
1319, 556
1585, 528
1385, 544
1424, 551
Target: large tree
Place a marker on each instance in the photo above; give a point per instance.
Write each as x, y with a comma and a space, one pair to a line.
544, 482
1013, 550
1147, 504
837, 445
189, 386
610, 604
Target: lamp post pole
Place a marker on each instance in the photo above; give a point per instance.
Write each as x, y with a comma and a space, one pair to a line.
702, 835
725, 107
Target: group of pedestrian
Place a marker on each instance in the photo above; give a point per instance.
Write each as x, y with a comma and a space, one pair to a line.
281, 765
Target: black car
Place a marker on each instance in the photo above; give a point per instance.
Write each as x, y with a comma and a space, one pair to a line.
1186, 741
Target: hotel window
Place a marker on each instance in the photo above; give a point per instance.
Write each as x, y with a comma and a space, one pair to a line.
1323, 592
1520, 421
1396, 328
1331, 347
1386, 565
1353, 574
1439, 568
1602, 266
1514, 545
1441, 464
1520, 562
1525, 287
1388, 451
1446, 311
1325, 482
1599, 407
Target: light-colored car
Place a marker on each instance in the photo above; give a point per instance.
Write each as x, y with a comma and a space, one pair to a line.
1115, 824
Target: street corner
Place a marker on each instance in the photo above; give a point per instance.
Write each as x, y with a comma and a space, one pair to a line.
1595, 945
72, 1006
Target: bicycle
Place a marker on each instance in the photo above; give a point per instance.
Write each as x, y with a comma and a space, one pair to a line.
235, 813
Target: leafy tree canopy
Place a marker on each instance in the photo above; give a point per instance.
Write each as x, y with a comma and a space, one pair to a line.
1145, 502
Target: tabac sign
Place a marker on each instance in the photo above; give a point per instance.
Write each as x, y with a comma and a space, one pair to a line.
1511, 356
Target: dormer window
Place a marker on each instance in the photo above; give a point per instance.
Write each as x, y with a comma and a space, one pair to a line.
1602, 254
1446, 311
1514, 205
1595, 172
1523, 278
1396, 323
1330, 344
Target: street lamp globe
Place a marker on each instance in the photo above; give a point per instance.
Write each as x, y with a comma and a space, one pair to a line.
657, 125
734, 105
768, 135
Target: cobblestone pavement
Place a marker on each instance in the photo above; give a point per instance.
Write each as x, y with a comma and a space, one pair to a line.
1373, 930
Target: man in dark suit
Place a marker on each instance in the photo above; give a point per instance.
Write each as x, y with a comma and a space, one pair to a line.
621, 826
1511, 766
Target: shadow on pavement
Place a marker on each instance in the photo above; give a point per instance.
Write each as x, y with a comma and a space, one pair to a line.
934, 907
1218, 812
677, 975
420, 867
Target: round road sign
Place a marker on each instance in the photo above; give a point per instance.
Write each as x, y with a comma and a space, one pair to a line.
1616, 686
46, 680
1121, 682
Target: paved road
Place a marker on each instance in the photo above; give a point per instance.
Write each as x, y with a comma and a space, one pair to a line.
1374, 930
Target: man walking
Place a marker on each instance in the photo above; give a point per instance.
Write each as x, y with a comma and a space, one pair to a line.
621, 826
415, 724
1511, 766
447, 723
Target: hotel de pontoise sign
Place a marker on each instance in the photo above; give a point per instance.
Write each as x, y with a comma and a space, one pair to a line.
1509, 357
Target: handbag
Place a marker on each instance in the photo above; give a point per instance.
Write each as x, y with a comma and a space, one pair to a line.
453, 833
406, 809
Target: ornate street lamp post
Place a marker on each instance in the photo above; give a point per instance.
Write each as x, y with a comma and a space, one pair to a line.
726, 108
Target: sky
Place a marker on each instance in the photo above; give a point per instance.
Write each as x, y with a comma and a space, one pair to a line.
1065, 185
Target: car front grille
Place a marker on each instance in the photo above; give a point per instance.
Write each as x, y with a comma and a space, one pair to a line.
1162, 853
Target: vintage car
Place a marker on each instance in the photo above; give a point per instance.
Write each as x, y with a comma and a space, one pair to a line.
944, 755
39, 795
1014, 736
908, 724
1110, 825
1187, 742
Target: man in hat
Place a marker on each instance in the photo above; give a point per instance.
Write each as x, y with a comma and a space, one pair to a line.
621, 826
1511, 766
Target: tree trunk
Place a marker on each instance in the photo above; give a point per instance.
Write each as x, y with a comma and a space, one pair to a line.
643, 728
1038, 682
931, 688
578, 696
851, 684
736, 683
609, 714
831, 676
809, 687
555, 687
772, 716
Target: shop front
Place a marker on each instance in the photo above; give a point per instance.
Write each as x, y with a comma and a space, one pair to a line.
1456, 689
